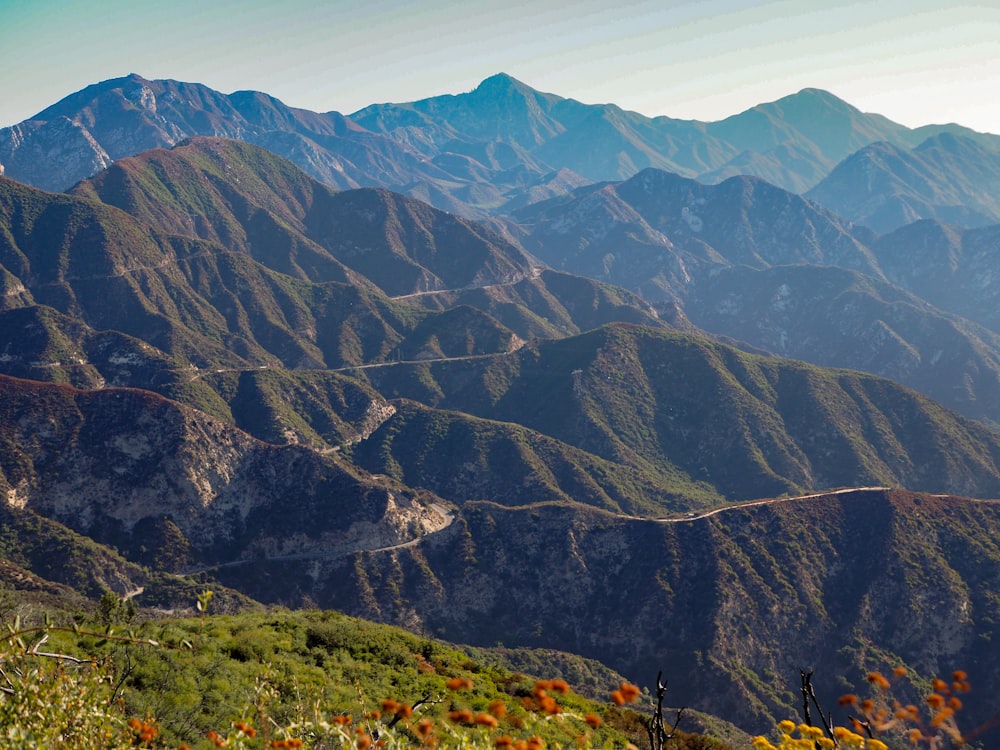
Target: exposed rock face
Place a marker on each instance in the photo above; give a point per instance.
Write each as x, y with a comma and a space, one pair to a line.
51, 155
102, 462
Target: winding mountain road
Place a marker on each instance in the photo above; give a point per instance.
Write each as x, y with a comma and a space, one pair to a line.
535, 272
752, 503
447, 516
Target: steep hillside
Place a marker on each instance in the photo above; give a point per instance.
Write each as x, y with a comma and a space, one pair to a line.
127, 467
680, 405
552, 304
813, 123
462, 458
90, 129
886, 186
253, 202
494, 148
951, 268
839, 318
257, 204
731, 606
197, 301
651, 233
720, 257
42, 557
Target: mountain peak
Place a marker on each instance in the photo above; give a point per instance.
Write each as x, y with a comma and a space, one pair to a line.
949, 142
818, 94
501, 84
811, 101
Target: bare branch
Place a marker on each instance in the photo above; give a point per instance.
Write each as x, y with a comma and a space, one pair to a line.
809, 695
425, 700
655, 728
33, 651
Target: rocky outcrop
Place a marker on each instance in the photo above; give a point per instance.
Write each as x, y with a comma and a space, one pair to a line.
104, 462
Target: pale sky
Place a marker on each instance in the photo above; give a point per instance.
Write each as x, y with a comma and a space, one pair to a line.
914, 61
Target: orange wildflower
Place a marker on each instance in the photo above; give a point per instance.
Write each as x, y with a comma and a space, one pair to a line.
459, 683
878, 680
497, 708
848, 700
617, 698
560, 686
486, 720
629, 691
549, 705
899, 671
593, 720
403, 711
941, 716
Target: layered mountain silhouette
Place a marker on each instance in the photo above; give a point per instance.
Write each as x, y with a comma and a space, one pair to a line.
655, 230
495, 148
884, 186
297, 380
756, 264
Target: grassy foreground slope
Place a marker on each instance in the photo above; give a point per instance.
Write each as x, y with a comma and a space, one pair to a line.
254, 680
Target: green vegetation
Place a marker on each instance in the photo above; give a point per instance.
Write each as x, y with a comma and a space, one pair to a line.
546, 492
280, 679
106, 677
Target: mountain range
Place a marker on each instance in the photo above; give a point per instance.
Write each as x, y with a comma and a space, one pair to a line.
504, 144
505, 366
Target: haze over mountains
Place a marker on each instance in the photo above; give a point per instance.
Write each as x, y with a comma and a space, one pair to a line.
449, 362
500, 144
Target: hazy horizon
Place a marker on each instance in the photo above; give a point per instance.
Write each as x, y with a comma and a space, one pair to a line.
917, 62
